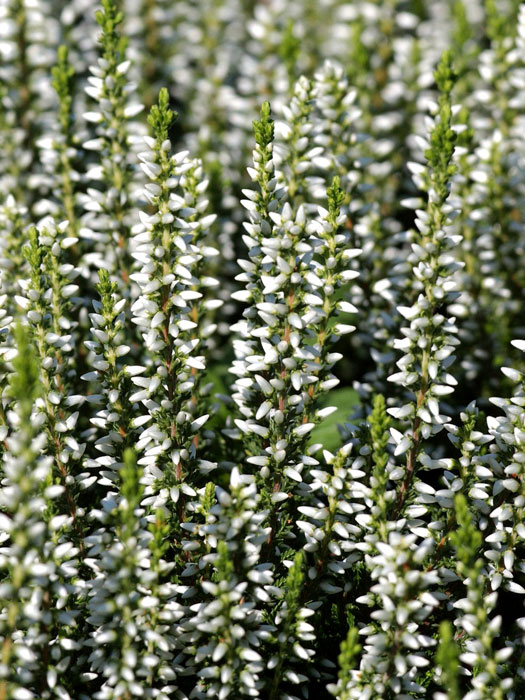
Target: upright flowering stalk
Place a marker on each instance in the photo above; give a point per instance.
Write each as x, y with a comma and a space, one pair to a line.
336, 118
266, 198
272, 328
382, 476
12, 223
480, 629
352, 496
350, 649
471, 306
38, 561
329, 277
329, 524
447, 664
47, 302
111, 378
508, 490
294, 269
296, 277
394, 649
110, 206
328, 535
339, 127
170, 313
293, 146
59, 149
292, 636
150, 26
429, 339
129, 603
495, 194
13, 220
227, 629
472, 471
6, 353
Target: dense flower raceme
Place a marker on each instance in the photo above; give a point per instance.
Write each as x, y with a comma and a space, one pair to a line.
183, 325
110, 211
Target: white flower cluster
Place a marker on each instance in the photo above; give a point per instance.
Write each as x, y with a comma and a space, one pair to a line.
299, 255
171, 313
391, 661
110, 376
37, 557
125, 562
225, 631
111, 210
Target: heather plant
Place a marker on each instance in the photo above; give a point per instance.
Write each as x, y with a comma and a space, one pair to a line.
262, 391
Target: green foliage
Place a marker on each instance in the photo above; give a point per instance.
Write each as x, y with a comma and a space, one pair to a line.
379, 426
106, 289
442, 139
293, 585
350, 649
447, 658
130, 487
63, 81
113, 43
466, 538
161, 117
24, 382
327, 433
336, 197
263, 128
224, 565
289, 50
